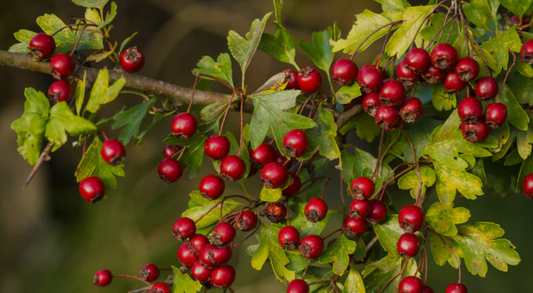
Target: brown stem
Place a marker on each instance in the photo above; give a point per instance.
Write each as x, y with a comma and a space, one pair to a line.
246, 238
132, 277
242, 124
324, 189
378, 61
415, 161
331, 234
226, 114
507, 75
192, 95
342, 192
425, 19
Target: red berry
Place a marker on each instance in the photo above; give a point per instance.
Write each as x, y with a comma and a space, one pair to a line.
410, 285
222, 234
298, 286
316, 210
184, 228
247, 221
213, 256
294, 186
359, 208
456, 288
263, 155
370, 79
434, 75
102, 278
212, 186
160, 288
170, 150
223, 276
362, 188
527, 185
289, 237
515, 19
42, 46
295, 143
392, 93
379, 69
217, 147
253, 170
60, 91
200, 272
406, 75
418, 60
412, 109
132, 60
282, 160
186, 255
467, 68
470, 110
196, 243
526, 52
354, 227
92, 189
149, 272
274, 175
378, 212
62, 66
453, 84
113, 152
495, 115
427, 289
309, 79
411, 218
387, 117
408, 245
291, 77
371, 103
311, 246
184, 125
486, 88
275, 212
232, 168
344, 72
475, 132
444, 56
169, 170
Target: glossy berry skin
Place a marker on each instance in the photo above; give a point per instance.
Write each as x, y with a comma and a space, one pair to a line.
408, 245
102, 278
113, 152
453, 83
444, 56
434, 75
62, 66
495, 115
217, 147
406, 75
42, 46
92, 189
275, 212
184, 125
222, 234
149, 272
60, 91
387, 117
200, 272
247, 221
378, 212
298, 286
274, 175
470, 110
263, 155
344, 72
186, 255
289, 237
362, 187
232, 168
223, 276
316, 210
487, 88
359, 208
184, 228
410, 285
311, 246
170, 150
467, 68
526, 52
371, 103
392, 93
475, 132
283, 160
309, 79
212, 186
169, 170
160, 288
213, 256
418, 60
132, 60
411, 110
294, 186
527, 185
370, 79
456, 288
427, 289
354, 227
292, 77
196, 243
411, 218
295, 143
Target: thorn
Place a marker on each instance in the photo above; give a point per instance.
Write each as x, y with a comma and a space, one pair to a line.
45, 156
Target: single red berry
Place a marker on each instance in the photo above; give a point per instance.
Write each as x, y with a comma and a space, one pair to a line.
316, 210
370, 79
295, 143
294, 186
217, 147
434, 75
170, 150
186, 255
344, 72
232, 168
291, 77
486, 88
102, 278
453, 83
213, 256
495, 115
515, 19
274, 175
196, 243
169, 170
527, 185
418, 60
408, 245
362, 188
309, 79
149, 272
387, 117
42, 46
444, 56
456, 288
223, 276
378, 212
247, 221
184, 228
427, 289
275, 212
378, 68
298, 286
289, 237
526, 52
411, 110
467, 68
263, 155
411, 218
359, 208
470, 110
410, 285
311, 246
354, 227
406, 75
392, 93
222, 234
253, 170
212, 186
200, 272
60, 91
113, 152
184, 125
62, 66
371, 103
92, 189
475, 132
132, 60
160, 288
283, 160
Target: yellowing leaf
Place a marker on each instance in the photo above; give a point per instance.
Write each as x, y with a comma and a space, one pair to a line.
449, 181
102, 93
443, 218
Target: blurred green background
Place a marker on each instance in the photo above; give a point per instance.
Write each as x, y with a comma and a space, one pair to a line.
53, 241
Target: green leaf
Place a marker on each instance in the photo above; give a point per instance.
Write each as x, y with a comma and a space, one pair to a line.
102, 93
281, 46
347, 93
91, 3
366, 127
126, 42
441, 254
320, 51
388, 232
524, 141
183, 282
443, 218
420, 134
300, 222
525, 169
131, 120
500, 45
363, 164
384, 279
338, 253
441, 99
155, 120
437, 22
269, 248
220, 69
66, 39
449, 181
63, 121
206, 205
79, 94
410, 180
354, 282
518, 7
110, 15
393, 9
516, 115
324, 135
270, 194
478, 12
522, 87
525, 69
